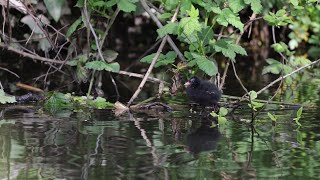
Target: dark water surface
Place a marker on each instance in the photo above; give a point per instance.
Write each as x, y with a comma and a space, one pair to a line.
177, 145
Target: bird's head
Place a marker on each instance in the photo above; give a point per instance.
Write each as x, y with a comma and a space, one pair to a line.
193, 82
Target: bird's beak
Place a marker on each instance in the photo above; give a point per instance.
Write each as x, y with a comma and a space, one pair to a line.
187, 84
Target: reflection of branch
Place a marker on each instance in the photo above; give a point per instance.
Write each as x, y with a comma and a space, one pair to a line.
154, 60
147, 140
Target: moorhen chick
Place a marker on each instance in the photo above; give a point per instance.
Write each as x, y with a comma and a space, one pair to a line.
203, 92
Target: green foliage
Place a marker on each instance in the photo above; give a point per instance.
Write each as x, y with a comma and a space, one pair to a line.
280, 18
299, 113
74, 27
57, 101
228, 17
272, 117
229, 49
163, 60
221, 115
100, 65
4, 99
254, 105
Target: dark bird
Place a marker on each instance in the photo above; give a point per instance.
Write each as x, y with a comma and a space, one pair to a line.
203, 92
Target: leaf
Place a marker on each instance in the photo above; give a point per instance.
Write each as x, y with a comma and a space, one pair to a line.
222, 120
223, 111
294, 2
193, 13
236, 5
96, 65
100, 65
255, 5
54, 8
272, 117
189, 25
228, 17
299, 112
113, 67
33, 25
126, 6
165, 16
74, 27
170, 28
278, 47
44, 45
253, 95
110, 55
229, 49
213, 114
6, 99
205, 64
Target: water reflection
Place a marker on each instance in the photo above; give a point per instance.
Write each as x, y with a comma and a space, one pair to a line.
204, 138
177, 145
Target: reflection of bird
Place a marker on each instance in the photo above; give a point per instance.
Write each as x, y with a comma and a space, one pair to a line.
205, 138
203, 92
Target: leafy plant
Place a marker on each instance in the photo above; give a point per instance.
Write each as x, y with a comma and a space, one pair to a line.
254, 105
299, 113
221, 115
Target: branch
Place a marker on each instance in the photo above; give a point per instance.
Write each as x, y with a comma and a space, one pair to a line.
154, 60
252, 18
285, 76
158, 23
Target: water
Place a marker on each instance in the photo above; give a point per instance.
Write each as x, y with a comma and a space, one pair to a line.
177, 145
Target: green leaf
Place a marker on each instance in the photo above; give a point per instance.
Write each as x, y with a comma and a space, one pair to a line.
170, 28
110, 55
229, 49
253, 95
255, 5
294, 2
222, 120
278, 47
223, 111
236, 5
299, 112
165, 16
96, 65
281, 12
274, 67
74, 27
194, 13
272, 117
100, 65
228, 17
54, 8
126, 6
205, 64
189, 25
169, 58
213, 114
6, 99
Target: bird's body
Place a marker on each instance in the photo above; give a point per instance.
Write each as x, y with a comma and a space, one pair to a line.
203, 92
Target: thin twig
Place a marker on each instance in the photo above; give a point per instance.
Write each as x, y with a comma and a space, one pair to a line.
154, 60
158, 23
92, 30
252, 18
131, 74
5, 69
287, 75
